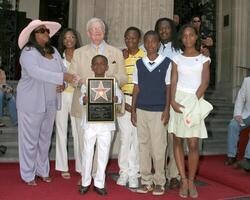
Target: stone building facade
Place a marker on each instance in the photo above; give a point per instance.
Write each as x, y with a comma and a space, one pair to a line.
232, 29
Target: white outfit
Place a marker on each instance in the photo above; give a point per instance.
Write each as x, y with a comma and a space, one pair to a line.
242, 105
98, 133
128, 156
189, 71
167, 50
62, 132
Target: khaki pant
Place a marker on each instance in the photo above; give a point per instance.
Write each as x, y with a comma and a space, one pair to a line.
152, 146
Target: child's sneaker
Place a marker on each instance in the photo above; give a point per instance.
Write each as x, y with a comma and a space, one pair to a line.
144, 189
158, 190
133, 182
122, 180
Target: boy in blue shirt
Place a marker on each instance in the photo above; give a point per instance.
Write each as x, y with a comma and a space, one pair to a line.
150, 113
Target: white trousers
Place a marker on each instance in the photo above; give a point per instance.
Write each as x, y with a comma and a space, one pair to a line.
62, 135
128, 158
102, 140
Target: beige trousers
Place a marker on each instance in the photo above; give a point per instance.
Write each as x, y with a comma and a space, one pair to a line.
152, 146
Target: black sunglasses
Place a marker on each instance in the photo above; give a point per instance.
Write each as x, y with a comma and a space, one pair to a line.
42, 30
196, 21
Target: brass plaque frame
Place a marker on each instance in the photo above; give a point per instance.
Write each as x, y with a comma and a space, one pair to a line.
101, 107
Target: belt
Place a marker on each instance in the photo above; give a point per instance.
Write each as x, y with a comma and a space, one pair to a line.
128, 94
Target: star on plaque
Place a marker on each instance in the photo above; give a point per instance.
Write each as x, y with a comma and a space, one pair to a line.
100, 92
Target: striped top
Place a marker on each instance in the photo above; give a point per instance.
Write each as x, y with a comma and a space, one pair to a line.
130, 68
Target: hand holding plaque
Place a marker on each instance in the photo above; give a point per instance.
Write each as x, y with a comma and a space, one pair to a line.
100, 99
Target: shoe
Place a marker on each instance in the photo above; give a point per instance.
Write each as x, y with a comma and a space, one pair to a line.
32, 183
144, 189
122, 180
3, 149
192, 189
133, 182
83, 189
158, 190
230, 161
65, 175
47, 179
100, 191
245, 164
183, 191
174, 183
193, 193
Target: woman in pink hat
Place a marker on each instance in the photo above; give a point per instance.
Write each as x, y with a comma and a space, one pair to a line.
38, 98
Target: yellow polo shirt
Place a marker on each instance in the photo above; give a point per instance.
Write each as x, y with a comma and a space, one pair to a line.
130, 68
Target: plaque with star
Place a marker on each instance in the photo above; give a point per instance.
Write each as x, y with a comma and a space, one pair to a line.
100, 99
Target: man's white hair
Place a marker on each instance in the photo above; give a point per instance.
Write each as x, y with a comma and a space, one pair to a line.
95, 20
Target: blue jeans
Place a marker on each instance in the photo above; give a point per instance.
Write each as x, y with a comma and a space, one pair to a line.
11, 101
234, 130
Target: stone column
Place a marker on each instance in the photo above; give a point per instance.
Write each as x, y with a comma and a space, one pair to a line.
232, 45
240, 42
120, 14
72, 14
143, 14
84, 12
31, 8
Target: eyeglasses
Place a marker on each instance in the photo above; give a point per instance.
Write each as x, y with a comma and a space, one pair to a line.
42, 30
196, 21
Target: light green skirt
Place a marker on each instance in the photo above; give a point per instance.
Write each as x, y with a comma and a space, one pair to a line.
176, 123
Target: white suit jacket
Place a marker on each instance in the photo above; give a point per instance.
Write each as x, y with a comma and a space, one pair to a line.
242, 103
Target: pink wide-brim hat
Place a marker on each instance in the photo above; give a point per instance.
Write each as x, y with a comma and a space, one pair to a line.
25, 34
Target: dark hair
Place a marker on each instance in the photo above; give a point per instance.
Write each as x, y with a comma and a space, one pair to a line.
132, 28
173, 31
179, 38
61, 46
152, 33
33, 43
195, 15
99, 56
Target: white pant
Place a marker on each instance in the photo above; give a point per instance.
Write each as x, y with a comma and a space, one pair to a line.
103, 140
62, 135
128, 158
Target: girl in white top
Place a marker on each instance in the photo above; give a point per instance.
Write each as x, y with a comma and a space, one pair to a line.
190, 78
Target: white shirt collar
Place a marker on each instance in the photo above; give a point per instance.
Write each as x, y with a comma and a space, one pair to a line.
101, 47
154, 63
